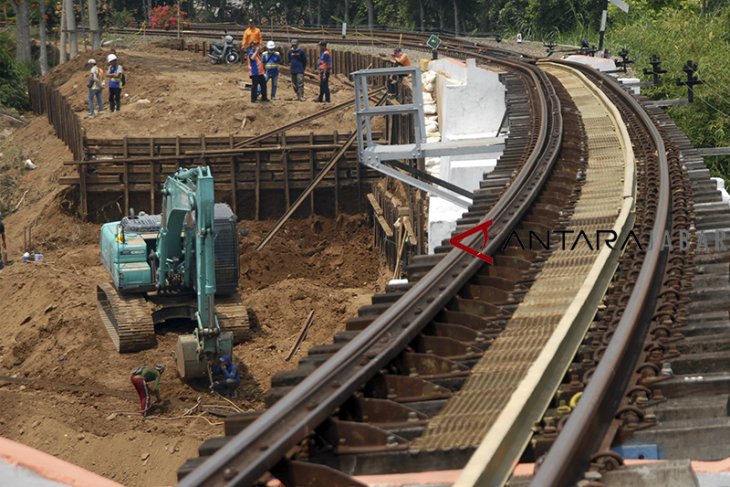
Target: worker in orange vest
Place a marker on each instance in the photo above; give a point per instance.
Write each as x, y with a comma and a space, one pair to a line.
257, 72
252, 34
324, 67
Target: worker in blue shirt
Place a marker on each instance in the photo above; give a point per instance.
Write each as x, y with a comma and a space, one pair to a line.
297, 62
256, 72
272, 60
324, 66
228, 377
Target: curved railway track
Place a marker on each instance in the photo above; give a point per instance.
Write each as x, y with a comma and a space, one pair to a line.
370, 401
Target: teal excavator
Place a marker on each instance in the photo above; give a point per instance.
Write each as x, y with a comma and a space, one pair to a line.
180, 265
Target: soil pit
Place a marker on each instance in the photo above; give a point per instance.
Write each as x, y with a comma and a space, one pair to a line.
65, 390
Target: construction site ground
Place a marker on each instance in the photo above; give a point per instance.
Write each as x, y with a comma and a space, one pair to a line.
63, 387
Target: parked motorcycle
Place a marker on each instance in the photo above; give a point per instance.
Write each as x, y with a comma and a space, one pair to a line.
225, 52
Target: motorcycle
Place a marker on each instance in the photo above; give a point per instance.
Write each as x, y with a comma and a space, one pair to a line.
225, 52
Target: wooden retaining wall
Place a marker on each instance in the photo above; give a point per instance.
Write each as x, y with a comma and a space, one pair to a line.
259, 181
46, 99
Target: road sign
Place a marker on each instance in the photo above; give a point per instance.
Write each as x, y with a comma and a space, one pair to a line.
433, 42
621, 4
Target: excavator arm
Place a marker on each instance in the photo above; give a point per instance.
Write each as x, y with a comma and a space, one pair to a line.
188, 211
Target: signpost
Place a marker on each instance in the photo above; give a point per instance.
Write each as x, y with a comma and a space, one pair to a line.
433, 42
604, 16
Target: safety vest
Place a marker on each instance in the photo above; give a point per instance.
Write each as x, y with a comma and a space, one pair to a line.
325, 61
271, 60
255, 66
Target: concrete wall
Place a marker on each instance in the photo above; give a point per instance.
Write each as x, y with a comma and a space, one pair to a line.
471, 104
470, 99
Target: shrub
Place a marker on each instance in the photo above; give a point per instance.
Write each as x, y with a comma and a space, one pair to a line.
13, 75
165, 17
121, 18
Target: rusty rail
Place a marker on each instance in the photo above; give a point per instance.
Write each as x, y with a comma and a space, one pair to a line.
267, 441
581, 437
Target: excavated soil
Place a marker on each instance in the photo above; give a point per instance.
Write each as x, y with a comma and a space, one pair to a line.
63, 387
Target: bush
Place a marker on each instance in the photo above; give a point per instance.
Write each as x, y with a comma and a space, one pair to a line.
165, 17
13, 75
121, 18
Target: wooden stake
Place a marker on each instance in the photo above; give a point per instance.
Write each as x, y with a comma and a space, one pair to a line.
302, 336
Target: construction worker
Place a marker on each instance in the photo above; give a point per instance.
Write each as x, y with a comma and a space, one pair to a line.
114, 73
297, 62
256, 71
140, 378
400, 58
229, 379
325, 67
252, 34
95, 83
271, 60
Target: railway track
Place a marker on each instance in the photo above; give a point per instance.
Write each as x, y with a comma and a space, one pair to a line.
384, 340
398, 389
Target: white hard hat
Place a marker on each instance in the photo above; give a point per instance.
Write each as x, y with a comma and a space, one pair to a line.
270, 45
111, 57
91, 61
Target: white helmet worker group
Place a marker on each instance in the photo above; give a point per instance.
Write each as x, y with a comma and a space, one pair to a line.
109, 58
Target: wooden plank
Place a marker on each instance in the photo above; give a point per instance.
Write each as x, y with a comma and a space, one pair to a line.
257, 195
337, 183
152, 176
285, 165
83, 192
234, 194
312, 165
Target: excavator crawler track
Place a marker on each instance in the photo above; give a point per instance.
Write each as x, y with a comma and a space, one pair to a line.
127, 319
233, 316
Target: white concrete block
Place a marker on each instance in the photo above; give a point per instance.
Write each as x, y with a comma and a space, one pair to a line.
721, 188
599, 63
442, 216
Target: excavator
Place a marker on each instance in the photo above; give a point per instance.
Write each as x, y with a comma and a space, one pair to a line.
182, 264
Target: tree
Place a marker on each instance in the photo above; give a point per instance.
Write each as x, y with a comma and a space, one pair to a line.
43, 58
422, 14
456, 17
94, 25
71, 27
62, 52
22, 37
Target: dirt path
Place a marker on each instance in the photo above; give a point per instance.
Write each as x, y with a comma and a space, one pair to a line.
172, 92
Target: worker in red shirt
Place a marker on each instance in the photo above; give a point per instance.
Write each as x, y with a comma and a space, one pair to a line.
325, 67
140, 377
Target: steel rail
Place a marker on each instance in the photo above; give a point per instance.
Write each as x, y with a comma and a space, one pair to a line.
413, 41
581, 436
267, 440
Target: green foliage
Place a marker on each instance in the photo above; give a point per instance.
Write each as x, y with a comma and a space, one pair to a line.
676, 36
13, 75
121, 18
